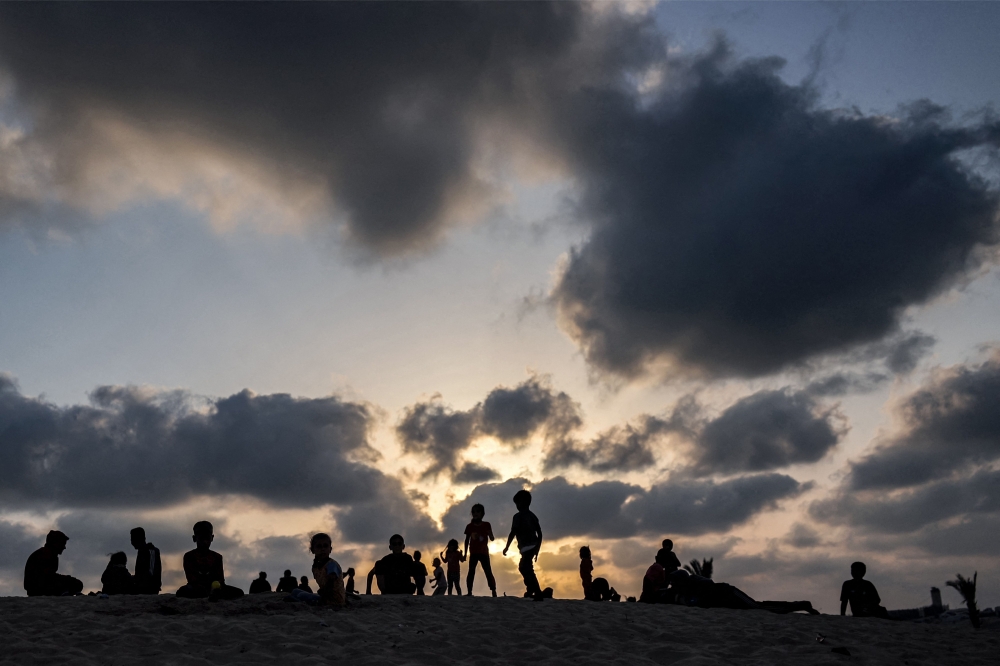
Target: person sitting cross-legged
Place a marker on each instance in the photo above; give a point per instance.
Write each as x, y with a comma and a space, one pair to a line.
203, 569
41, 577
260, 584
861, 594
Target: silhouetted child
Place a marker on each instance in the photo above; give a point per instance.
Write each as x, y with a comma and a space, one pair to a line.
349, 587
669, 560
203, 568
454, 558
148, 570
419, 573
478, 535
601, 590
861, 594
304, 584
116, 579
326, 571
395, 571
439, 583
586, 569
525, 527
260, 584
287, 583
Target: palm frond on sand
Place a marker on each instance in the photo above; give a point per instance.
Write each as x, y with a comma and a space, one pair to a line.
967, 588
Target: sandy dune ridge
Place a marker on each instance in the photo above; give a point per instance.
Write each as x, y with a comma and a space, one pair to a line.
425, 630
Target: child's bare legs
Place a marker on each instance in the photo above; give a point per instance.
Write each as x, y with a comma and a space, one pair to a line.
454, 579
487, 569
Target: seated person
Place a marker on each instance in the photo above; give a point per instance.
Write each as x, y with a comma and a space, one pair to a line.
287, 583
861, 594
328, 575
670, 561
304, 585
601, 590
349, 586
148, 569
655, 588
40, 571
203, 569
116, 579
260, 584
395, 571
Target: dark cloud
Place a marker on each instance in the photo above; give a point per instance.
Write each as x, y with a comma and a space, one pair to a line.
612, 509
471, 472
514, 414
951, 423
619, 449
903, 356
381, 106
132, 447
393, 510
16, 543
740, 229
802, 536
844, 383
766, 430
434, 429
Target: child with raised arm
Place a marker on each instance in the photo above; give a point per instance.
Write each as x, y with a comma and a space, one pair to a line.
203, 568
419, 573
525, 527
439, 584
478, 535
454, 558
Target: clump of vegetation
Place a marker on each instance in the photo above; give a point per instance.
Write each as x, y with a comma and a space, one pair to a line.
703, 568
967, 588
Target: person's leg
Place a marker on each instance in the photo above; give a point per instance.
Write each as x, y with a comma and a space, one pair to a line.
488, 570
66, 585
471, 577
527, 569
189, 592
228, 592
421, 581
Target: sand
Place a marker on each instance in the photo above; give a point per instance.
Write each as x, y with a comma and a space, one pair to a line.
442, 630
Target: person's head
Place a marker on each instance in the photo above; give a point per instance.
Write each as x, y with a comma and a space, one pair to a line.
601, 586
668, 545
137, 537
204, 533
119, 559
288, 573
396, 543
478, 511
522, 500
56, 540
416, 556
858, 570
305, 580
350, 572
262, 575
584, 552
453, 544
321, 545
436, 562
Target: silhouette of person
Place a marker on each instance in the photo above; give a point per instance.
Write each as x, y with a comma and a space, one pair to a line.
304, 584
419, 573
148, 570
528, 531
203, 569
586, 570
260, 584
395, 571
328, 575
41, 577
439, 583
349, 586
116, 579
454, 558
861, 594
693, 590
654, 582
478, 535
287, 583
371, 577
670, 562
601, 590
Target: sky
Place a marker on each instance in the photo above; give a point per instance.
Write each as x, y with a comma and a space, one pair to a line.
719, 272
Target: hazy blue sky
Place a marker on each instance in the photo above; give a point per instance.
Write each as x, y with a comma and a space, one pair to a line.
747, 306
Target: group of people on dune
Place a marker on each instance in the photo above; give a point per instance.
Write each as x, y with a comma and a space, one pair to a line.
665, 582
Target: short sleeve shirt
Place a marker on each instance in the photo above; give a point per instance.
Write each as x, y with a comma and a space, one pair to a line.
525, 527
479, 537
398, 569
861, 594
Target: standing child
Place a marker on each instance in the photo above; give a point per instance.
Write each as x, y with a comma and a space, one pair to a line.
478, 535
526, 528
439, 584
419, 573
454, 559
586, 569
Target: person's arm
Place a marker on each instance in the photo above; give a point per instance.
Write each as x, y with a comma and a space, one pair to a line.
466, 551
510, 537
218, 571
843, 606
491, 533
371, 575
538, 548
843, 599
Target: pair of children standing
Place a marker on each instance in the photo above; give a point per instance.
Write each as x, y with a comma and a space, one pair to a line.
478, 535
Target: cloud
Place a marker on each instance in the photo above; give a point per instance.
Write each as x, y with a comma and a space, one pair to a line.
514, 414
434, 429
377, 117
767, 430
948, 425
16, 543
612, 509
472, 472
739, 229
801, 535
620, 449
134, 447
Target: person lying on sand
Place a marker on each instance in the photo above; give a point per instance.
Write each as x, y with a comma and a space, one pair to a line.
203, 568
861, 594
116, 578
703, 592
148, 570
328, 575
395, 571
260, 585
40, 571
601, 590
287, 583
